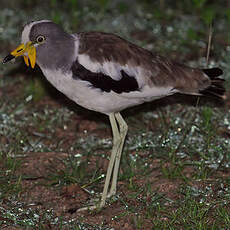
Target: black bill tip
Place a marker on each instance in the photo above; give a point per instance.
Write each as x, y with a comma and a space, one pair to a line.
8, 58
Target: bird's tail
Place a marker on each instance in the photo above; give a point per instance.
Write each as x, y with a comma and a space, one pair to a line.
216, 89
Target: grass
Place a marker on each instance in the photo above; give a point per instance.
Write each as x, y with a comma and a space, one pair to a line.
188, 155
53, 154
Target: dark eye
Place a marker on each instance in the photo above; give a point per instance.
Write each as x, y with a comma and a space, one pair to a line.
40, 39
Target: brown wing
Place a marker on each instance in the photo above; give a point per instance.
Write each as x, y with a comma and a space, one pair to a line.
160, 71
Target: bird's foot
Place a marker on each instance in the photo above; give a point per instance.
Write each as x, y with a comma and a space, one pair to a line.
97, 203
108, 196
88, 208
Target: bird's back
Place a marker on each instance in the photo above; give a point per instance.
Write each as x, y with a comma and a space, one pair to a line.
111, 54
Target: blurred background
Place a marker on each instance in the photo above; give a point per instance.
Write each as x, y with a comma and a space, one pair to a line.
175, 167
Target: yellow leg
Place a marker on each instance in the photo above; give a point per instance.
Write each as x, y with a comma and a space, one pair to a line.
118, 142
123, 127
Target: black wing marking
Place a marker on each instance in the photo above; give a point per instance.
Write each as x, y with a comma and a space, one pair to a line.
104, 82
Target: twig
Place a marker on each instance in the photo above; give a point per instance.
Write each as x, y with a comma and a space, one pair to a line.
209, 43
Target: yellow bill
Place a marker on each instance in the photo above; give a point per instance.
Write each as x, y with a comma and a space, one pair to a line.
28, 51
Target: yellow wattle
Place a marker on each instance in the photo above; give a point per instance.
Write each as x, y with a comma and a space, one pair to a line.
26, 60
32, 55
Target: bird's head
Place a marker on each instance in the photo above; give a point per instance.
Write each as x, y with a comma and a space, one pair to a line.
45, 43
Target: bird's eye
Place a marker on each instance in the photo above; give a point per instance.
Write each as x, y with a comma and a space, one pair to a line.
40, 39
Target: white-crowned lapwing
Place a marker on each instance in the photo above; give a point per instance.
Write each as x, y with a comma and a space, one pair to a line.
105, 73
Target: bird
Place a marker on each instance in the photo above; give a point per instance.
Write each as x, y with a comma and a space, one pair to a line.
105, 73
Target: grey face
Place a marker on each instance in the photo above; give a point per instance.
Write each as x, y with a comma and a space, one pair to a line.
54, 48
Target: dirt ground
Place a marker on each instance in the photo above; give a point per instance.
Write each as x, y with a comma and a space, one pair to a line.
39, 195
